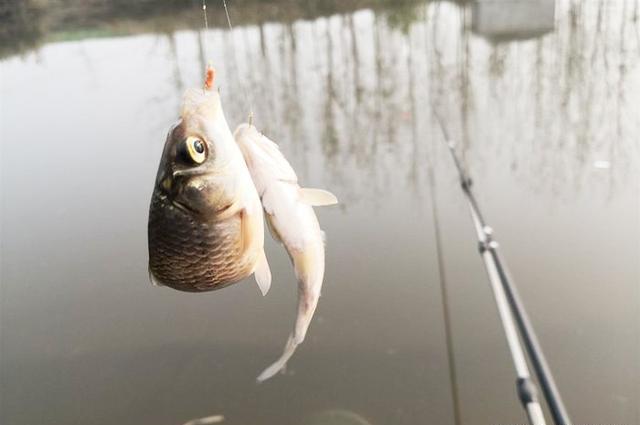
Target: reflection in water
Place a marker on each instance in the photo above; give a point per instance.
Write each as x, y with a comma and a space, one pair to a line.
544, 95
177, 75
536, 96
513, 19
540, 94
337, 417
21, 27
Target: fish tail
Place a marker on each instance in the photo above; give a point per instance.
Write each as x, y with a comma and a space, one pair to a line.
309, 269
281, 363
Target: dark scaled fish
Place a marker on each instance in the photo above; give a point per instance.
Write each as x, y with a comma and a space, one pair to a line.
205, 221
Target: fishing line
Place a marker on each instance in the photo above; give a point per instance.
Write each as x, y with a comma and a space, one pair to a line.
444, 291
226, 12
448, 334
245, 92
206, 24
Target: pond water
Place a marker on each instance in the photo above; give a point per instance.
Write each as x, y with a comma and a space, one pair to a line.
547, 120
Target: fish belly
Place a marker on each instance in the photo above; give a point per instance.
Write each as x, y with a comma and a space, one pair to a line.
192, 255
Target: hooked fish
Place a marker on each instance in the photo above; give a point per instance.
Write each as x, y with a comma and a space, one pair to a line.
206, 228
292, 221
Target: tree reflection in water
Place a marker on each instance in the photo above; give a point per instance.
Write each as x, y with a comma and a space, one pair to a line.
351, 93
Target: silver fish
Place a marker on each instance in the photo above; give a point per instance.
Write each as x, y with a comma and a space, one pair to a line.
291, 218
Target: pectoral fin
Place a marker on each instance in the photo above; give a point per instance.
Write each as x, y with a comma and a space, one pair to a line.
249, 229
262, 273
317, 197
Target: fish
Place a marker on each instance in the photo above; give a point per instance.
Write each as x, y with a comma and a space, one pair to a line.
290, 217
206, 225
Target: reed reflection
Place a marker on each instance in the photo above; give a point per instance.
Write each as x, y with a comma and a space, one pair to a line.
354, 91
542, 100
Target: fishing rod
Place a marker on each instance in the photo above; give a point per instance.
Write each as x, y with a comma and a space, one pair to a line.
512, 312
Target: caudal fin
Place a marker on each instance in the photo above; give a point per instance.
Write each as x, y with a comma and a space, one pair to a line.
309, 267
279, 364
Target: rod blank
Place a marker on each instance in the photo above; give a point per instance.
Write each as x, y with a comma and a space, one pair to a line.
512, 314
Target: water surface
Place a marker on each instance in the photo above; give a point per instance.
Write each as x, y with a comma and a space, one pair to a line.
548, 126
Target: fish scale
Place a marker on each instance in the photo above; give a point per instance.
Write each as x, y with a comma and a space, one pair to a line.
194, 256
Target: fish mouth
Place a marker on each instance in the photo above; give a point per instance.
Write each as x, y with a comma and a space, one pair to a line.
167, 193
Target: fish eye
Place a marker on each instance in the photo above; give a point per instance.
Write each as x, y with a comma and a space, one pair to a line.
196, 150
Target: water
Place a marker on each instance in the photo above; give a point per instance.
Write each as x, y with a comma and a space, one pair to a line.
547, 121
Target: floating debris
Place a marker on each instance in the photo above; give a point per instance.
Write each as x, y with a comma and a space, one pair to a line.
215, 419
